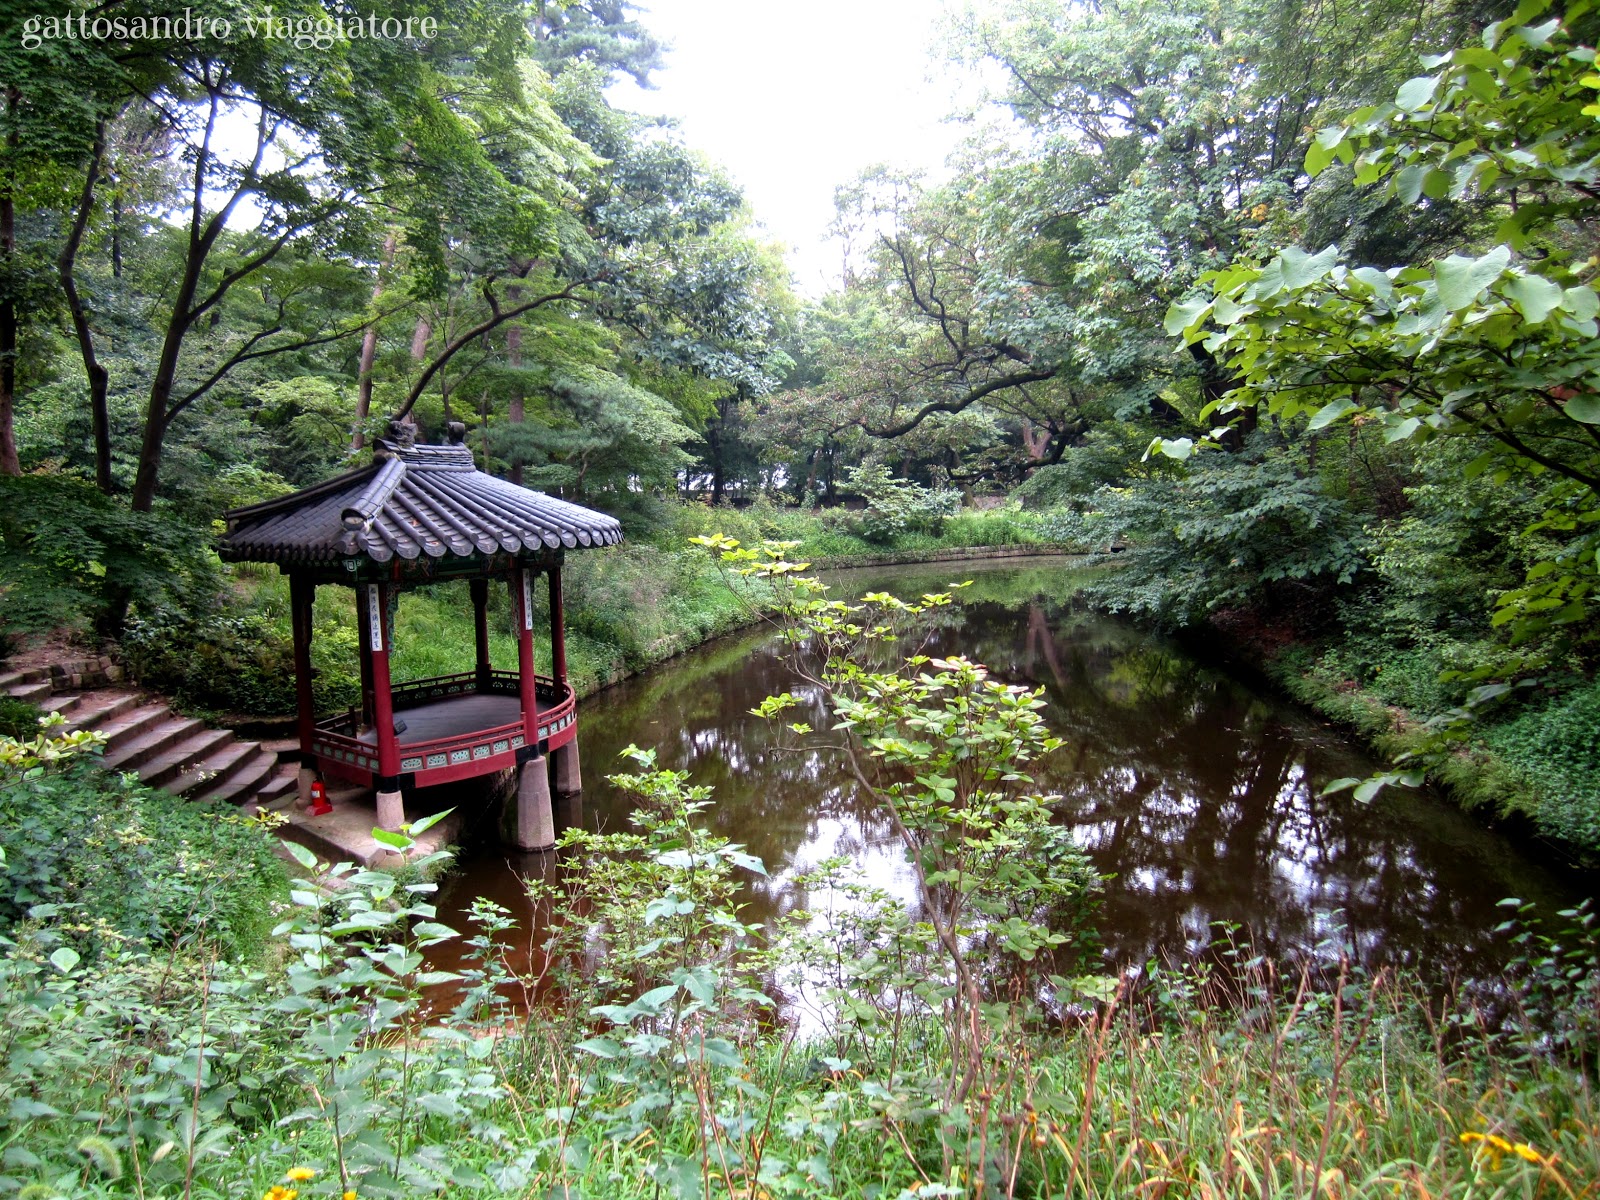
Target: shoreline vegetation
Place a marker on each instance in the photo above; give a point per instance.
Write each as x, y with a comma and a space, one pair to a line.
185, 1052
641, 604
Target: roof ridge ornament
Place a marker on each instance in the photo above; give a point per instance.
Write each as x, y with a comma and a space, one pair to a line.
402, 436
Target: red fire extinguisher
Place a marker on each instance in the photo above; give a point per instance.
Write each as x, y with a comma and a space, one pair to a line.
319, 799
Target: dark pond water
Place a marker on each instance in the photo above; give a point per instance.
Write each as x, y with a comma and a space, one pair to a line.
1194, 792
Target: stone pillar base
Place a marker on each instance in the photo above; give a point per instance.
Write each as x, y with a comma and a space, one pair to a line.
303, 780
391, 811
568, 777
530, 820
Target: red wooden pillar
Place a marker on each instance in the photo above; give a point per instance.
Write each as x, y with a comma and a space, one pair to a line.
302, 592
522, 608
558, 627
480, 628
375, 606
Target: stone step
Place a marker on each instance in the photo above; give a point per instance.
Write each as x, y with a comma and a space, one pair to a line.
64, 706
96, 710
32, 693
283, 785
178, 759
131, 753
285, 749
131, 722
10, 679
245, 783
216, 769
330, 846
224, 775
80, 666
76, 676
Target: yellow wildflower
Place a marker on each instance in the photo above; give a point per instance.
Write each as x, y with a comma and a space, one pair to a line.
1527, 1152
350, 1195
1469, 1137
278, 1192
299, 1174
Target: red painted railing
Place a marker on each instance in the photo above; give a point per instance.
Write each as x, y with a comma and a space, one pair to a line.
456, 756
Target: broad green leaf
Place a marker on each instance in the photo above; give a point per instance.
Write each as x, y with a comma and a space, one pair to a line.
1300, 269
397, 841
1538, 35
1483, 85
600, 1047
1585, 408
1368, 789
427, 823
1414, 93
1178, 448
1581, 302
1461, 279
1186, 314
1475, 56
1331, 412
64, 959
1535, 296
1319, 156
301, 855
1408, 183
1400, 430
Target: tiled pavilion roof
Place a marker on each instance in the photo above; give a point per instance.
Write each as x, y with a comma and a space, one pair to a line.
412, 502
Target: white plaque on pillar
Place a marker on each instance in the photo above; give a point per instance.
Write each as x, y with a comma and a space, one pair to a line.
527, 600
374, 618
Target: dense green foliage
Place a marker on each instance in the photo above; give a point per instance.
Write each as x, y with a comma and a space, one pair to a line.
1303, 341
186, 1067
116, 865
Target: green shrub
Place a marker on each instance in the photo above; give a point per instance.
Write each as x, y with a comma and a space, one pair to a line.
70, 556
1556, 746
132, 865
897, 506
222, 662
18, 718
1223, 531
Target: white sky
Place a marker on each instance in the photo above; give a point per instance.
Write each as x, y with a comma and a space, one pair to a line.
794, 99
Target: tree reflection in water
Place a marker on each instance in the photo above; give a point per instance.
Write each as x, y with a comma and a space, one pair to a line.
1196, 794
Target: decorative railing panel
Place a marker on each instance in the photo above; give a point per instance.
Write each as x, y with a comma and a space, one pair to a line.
455, 756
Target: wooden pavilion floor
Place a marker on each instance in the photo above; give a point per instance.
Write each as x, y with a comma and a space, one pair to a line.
456, 715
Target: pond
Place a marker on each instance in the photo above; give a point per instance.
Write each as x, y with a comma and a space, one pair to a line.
1195, 793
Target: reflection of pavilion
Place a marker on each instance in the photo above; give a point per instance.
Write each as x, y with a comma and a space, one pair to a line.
423, 514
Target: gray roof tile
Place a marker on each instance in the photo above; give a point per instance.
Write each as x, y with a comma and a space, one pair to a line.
413, 502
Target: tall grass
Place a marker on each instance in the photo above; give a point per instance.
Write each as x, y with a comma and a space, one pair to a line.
1368, 1089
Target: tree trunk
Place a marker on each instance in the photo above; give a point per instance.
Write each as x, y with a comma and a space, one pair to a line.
369, 352
10, 463
93, 369
714, 445
516, 406
116, 233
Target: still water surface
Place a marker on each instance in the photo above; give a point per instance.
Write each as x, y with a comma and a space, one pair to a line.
1195, 793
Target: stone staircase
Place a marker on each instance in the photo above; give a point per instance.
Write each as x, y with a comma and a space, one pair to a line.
178, 754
